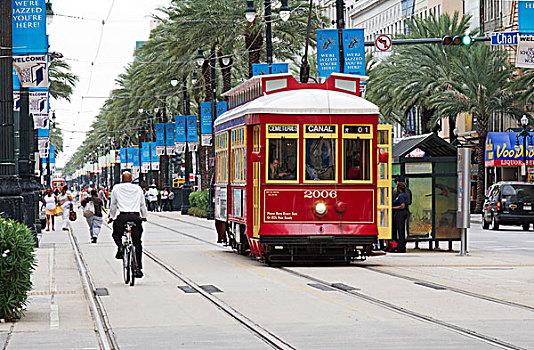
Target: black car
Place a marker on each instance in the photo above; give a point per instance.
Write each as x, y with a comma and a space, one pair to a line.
509, 203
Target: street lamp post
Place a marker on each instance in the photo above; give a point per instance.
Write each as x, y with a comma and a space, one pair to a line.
524, 134
250, 15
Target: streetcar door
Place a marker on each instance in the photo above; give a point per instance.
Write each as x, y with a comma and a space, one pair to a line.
384, 183
256, 183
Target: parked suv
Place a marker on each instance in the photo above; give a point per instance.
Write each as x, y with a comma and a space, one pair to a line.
509, 203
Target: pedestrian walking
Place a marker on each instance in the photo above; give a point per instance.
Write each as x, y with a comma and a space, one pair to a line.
50, 204
152, 198
171, 199
94, 221
66, 203
165, 200
400, 214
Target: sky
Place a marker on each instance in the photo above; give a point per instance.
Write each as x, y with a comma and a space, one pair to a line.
96, 53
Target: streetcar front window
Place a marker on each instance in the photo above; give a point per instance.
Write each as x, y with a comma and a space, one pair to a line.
282, 159
357, 164
320, 159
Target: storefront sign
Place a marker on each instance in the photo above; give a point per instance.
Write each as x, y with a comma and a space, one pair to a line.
500, 150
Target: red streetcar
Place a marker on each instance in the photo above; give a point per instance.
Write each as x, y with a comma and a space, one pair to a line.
303, 171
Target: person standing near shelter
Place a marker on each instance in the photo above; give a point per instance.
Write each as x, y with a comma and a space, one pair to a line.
152, 198
128, 204
94, 221
66, 203
409, 195
400, 214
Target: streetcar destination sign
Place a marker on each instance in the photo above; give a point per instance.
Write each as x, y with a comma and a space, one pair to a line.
280, 129
321, 129
357, 129
504, 38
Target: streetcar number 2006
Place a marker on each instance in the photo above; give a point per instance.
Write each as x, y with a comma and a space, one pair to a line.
320, 194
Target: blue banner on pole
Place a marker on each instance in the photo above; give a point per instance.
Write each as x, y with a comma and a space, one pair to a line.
43, 133
180, 128
327, 52
129, 156
205, 118
222, 106
526, 16
160, 134
145, 152
154, 158
192, 134
169, 134
135, 155
353, 51
29, 26
123, 155
263, 68
52, 154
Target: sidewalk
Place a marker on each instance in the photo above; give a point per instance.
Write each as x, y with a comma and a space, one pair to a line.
57, 315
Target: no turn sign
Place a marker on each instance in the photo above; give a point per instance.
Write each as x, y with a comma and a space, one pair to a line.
383, 42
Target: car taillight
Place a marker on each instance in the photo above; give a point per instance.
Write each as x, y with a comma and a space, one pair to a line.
498, 205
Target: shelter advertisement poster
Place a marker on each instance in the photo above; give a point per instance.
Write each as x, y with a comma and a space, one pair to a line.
145, 157
327, 52
32, 70
29, 26
525, 51
353, 51
526, 16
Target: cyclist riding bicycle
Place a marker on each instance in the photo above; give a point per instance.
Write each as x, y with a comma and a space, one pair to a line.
129, 201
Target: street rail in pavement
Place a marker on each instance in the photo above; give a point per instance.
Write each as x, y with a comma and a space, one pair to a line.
387, 305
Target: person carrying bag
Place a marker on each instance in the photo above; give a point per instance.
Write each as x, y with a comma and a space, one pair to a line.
92, 211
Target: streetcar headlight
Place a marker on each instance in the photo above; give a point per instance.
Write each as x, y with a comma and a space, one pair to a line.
320, 208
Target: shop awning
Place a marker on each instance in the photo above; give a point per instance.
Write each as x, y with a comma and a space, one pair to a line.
500, 151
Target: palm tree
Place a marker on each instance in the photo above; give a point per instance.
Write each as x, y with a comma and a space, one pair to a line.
414, 73
62, 81
481, 86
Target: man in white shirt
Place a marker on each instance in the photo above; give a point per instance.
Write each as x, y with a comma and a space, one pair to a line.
127, 199
153, 197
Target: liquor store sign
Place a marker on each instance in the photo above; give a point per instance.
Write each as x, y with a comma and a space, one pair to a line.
500, 150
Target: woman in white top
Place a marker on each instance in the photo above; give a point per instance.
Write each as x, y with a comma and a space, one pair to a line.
50, 204
65, 200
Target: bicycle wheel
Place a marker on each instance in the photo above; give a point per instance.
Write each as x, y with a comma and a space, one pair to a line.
126, 265
133, 265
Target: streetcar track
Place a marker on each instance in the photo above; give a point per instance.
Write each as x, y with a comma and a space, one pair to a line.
395, 308
269, 338
106, 336
392, 274
8, 337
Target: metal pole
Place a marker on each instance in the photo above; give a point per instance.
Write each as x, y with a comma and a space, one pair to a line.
340, 22
210, 214
268, 37
463, 214
186, 189
524, 170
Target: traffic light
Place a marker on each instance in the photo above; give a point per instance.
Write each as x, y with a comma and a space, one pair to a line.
464, 40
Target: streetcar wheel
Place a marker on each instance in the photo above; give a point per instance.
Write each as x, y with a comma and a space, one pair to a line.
126, 266
133, 266
494, 223
485, 224
526, 227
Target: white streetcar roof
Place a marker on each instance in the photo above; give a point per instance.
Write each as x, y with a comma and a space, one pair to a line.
302, 101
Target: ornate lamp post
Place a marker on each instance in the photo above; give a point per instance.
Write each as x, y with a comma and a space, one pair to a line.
250, 15
524, 134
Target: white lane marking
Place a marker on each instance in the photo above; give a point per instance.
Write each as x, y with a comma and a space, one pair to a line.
54, 316
510, 248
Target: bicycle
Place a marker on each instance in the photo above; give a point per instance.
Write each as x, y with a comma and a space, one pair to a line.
129, 261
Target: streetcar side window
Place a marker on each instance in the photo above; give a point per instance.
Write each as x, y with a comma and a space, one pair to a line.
282, 159
320, 159
357, 162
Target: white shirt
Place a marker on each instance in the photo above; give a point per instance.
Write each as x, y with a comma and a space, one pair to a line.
50, 202
164, 195
127, 198
152, 194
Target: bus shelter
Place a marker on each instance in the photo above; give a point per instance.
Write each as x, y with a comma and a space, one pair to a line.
427, 163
